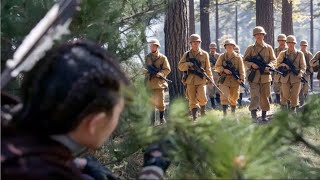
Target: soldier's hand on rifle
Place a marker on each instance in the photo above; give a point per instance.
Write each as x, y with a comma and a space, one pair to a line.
240, 81
227, 71
254, 66
159, 74
286, 66
267, 69
190, 64
300, 75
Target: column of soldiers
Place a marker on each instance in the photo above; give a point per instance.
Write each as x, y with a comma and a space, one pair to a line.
258, 67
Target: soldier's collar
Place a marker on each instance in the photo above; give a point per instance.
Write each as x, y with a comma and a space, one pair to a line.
292, 52
75, 148
156, 54
195, 53
262, 45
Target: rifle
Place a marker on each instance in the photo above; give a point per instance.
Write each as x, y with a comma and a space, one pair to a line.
200, 70
292, 69
235, 74
40, 39
213, 60
152, 70
259, 61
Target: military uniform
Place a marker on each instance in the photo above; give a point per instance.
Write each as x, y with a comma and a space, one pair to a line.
276, 76
230, 86
242, 89
195, 85
304, 86
261, 83
213, 92
156, 84
315, 61
291, 84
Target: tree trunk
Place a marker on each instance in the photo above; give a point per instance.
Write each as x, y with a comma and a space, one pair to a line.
311, 27
176, 42
286, 18
236, 23
191, 17
217, 25
264, 14
205, 26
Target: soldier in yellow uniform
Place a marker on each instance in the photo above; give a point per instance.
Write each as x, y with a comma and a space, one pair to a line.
276, 77
214, 94
155, 82
304, 86
242, 90
196, 84
228, 84
260, 83
315, 62
291, 84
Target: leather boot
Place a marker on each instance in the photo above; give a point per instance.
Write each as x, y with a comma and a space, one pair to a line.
162, 119
254, 115
218, 98
233, 109
203, 110
240, 99
224, 109
194, 113
264, 116
278, 98
213, 104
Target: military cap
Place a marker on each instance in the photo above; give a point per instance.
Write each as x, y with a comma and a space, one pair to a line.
291, 39
282, 37
155, 42
194, 37
229, 41
213, 45
258, 30
304, 43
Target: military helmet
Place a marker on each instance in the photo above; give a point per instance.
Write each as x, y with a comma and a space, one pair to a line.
229, 41
304, 43
258, 30
236, 49
282, 37
291, 39
155, 42
194, 37
213, 45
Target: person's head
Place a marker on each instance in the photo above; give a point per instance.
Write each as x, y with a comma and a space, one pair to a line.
304, 45
76, 89
213, 47
154, 45
259, 33
229, 45
291, 42
282, 38
195, 41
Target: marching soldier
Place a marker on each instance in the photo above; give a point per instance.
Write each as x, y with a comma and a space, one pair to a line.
305, 87
291, 84
260, 83
276, 78
196, 84
213, 92
315, 62
229, 85
155, 82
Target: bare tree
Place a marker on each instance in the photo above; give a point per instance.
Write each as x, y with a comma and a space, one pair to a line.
176, 42
286, 18
264, 14
191, 17
205, 25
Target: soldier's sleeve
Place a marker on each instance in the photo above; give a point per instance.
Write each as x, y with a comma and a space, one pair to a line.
241, 70
246, 56
182, 66
165, 67
280, 59
272, 56
302, 63
218, 67
208, 67
315, 60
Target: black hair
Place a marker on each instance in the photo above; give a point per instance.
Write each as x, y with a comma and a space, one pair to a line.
69, 83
